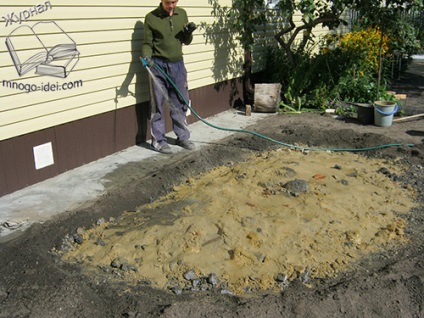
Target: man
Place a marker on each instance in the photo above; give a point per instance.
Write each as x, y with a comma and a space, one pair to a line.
166, 29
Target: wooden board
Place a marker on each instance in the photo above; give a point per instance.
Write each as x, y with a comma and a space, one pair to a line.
267, 98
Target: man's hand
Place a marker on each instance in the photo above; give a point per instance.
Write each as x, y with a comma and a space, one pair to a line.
189, 28
147, 61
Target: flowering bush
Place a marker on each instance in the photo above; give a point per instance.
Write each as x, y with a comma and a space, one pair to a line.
357, 56
364, 47
345, 68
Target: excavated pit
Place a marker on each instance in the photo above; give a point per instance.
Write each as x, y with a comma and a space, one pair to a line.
255, 225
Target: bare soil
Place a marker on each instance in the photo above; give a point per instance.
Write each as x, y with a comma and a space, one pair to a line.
35, 282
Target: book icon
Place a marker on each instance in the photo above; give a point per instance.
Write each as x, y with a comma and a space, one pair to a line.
44, 47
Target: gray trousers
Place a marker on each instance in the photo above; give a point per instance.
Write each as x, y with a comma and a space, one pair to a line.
161, 92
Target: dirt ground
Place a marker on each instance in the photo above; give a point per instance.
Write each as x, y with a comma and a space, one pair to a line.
386, 282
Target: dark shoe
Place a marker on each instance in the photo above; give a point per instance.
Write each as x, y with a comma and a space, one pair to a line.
186, 144
165, 149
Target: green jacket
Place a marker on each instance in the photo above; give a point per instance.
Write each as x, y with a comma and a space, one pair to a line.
163, 34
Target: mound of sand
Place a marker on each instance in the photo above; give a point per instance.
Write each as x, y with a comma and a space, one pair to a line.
256, 225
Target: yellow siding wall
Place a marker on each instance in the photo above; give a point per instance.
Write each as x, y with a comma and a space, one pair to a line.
105, 32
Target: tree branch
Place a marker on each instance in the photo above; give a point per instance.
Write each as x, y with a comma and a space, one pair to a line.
306, 26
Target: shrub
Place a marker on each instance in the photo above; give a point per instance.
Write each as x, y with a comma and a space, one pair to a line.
364, 48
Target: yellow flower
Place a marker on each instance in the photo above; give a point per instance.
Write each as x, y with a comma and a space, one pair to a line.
366, 43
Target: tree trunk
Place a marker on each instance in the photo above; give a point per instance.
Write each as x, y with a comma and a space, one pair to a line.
380, 66
248, 90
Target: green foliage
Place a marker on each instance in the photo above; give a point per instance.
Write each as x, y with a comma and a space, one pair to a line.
350, 69
320, 79
295, 81
404, 36
346, 111
245, 16
359, 89
417, 20
312, 79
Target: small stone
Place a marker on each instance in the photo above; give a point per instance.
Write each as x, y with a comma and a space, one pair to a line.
173, 265
296, 187
353, 174
116, 263
213, 279
189, 275
146, 282
226, 292
80, 231
177, 290
100, 221
260, 257
338, 167
305, 277
79, 239
383, 170
104, 269
248, 290
281, 278
100, 242
344, 182
124, 267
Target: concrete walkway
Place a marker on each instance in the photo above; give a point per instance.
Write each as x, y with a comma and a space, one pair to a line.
39, 202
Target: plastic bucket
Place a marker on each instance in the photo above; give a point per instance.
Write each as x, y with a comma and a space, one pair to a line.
383, 113
365, 113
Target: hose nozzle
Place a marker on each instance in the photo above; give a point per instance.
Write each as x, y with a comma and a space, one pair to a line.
147, 61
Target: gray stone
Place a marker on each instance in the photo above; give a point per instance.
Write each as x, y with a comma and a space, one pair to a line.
213, 279
78, 239
100, 242
177, 290
116, 263
296, 187
189, 275
344, 182
280, 278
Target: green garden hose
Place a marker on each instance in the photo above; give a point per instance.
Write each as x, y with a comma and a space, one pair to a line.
265, 137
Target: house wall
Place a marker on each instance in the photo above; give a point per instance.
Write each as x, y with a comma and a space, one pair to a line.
108, 37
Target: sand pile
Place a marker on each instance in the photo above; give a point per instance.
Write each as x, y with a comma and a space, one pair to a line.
255, 225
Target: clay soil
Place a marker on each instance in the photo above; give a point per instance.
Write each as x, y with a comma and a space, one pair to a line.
35, 282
